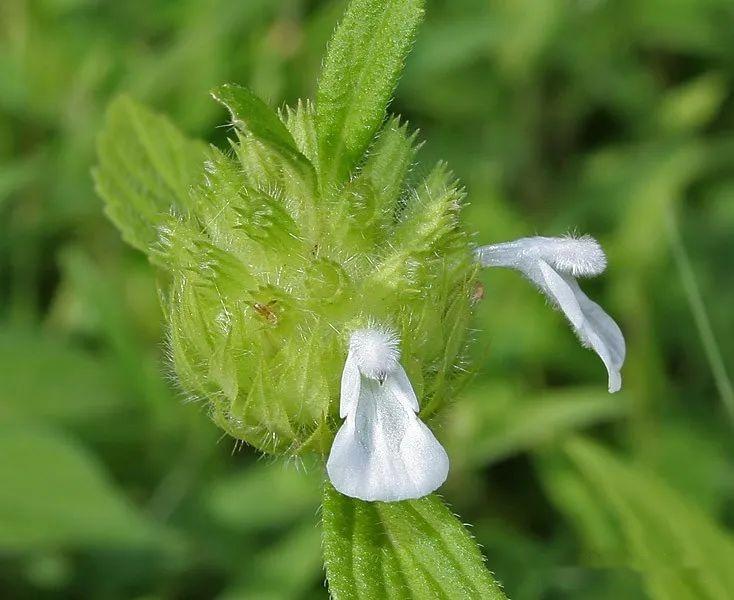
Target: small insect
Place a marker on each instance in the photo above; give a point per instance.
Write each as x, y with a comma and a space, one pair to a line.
266, 311
478, 293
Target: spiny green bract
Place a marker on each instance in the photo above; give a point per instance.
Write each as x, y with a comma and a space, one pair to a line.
269, 269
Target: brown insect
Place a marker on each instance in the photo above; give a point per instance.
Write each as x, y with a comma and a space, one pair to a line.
478, 293
266, 311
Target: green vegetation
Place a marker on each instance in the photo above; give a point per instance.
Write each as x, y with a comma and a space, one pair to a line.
610, 118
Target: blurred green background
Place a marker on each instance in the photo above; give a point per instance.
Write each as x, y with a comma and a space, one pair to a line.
614, 118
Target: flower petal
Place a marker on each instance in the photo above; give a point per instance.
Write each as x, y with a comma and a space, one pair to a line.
383, 451
595, 328
350, 386
577, 256
399, 385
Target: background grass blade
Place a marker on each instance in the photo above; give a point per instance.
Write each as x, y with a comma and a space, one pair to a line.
678, 550
701, 317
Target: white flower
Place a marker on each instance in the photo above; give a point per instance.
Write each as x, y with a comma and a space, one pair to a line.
553, 265
382, 451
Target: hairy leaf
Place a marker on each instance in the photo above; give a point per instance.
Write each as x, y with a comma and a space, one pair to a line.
226, 203
361, 69
428, 228
253, 116
146, 167
433, 213
387, 166
412, 549
301, 122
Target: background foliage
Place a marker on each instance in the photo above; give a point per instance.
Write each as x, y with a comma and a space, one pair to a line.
614, 118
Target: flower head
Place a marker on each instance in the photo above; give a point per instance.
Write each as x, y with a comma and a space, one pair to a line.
553, 265
268, 262
382, 451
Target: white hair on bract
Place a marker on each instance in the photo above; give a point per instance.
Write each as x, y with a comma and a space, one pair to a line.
383, 451
553, 264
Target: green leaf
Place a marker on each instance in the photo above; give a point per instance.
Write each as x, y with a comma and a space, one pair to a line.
15, 175
692, 105
264, 576
387, 166
255, 418
412, 549
678, 549
428, 228
432, 215
264, 496
53, 493
227, 204
146, 167
301, 122
516, 421
251, 115
361, 69
46, 379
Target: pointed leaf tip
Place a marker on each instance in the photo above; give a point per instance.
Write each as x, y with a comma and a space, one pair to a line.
250, 113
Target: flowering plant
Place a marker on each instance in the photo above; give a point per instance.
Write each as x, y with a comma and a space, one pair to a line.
319, 294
